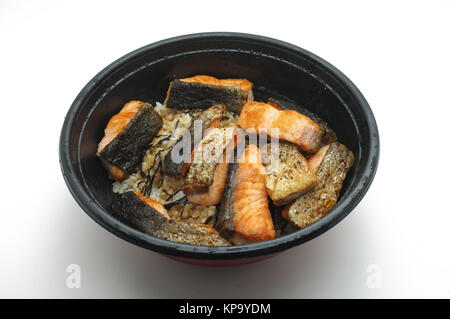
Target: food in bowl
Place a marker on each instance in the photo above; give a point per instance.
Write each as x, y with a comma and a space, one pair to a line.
212, 167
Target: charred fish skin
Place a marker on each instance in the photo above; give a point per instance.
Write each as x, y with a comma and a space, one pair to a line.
331, 173
206, 118
137, 214
128, 148
129, 208
329, 135
187, 95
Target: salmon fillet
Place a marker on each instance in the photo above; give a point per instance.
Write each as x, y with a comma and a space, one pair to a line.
252, 219
206, 156
329, 135
118, 122
154, 204
245, 216
203, 91
243, 84
316, 159
291, 125
288, 175
142, 215
213, 194
127, 138
335, 162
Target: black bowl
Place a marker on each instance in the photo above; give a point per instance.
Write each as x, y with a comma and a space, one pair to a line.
275, 67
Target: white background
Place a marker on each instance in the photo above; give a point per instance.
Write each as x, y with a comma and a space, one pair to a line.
397, 53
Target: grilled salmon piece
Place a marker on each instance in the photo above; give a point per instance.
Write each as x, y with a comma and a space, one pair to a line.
203, 91
329, 135
335, 162
288, 175
291, 125
206, 181
206, 156
145, 216
316, 159
209, 118
213, 193
154, 204
127, 137
245, 216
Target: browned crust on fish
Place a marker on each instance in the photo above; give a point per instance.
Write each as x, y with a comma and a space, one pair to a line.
129, 208
207, 155
331, 173
288, 175
206, 118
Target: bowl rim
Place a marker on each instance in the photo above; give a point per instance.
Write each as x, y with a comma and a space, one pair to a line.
102, 216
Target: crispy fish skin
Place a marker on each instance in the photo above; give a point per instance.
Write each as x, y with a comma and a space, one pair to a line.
288, 175
329, 135
204, 91
331, 172
138, 214
207, 118
127, 149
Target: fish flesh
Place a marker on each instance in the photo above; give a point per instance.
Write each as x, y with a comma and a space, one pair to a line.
207, 155
204, 91
244, 215
289, 125
174, 165
127, 138
288, 175
206, 181
316, 159
154, 204
213, 193
142, 215
329, 135
335, 162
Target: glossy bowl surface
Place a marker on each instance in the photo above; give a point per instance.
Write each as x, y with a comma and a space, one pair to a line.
276, 68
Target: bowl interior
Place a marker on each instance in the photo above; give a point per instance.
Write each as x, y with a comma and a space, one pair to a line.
273, 67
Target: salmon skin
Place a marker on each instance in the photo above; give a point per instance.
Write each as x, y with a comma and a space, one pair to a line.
335, 162
204, 91
288, 174
290, 125
329, 135
127, 138
207, 118
244, 215
138, 214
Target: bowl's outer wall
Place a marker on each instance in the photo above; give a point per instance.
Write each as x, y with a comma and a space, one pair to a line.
275, 68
